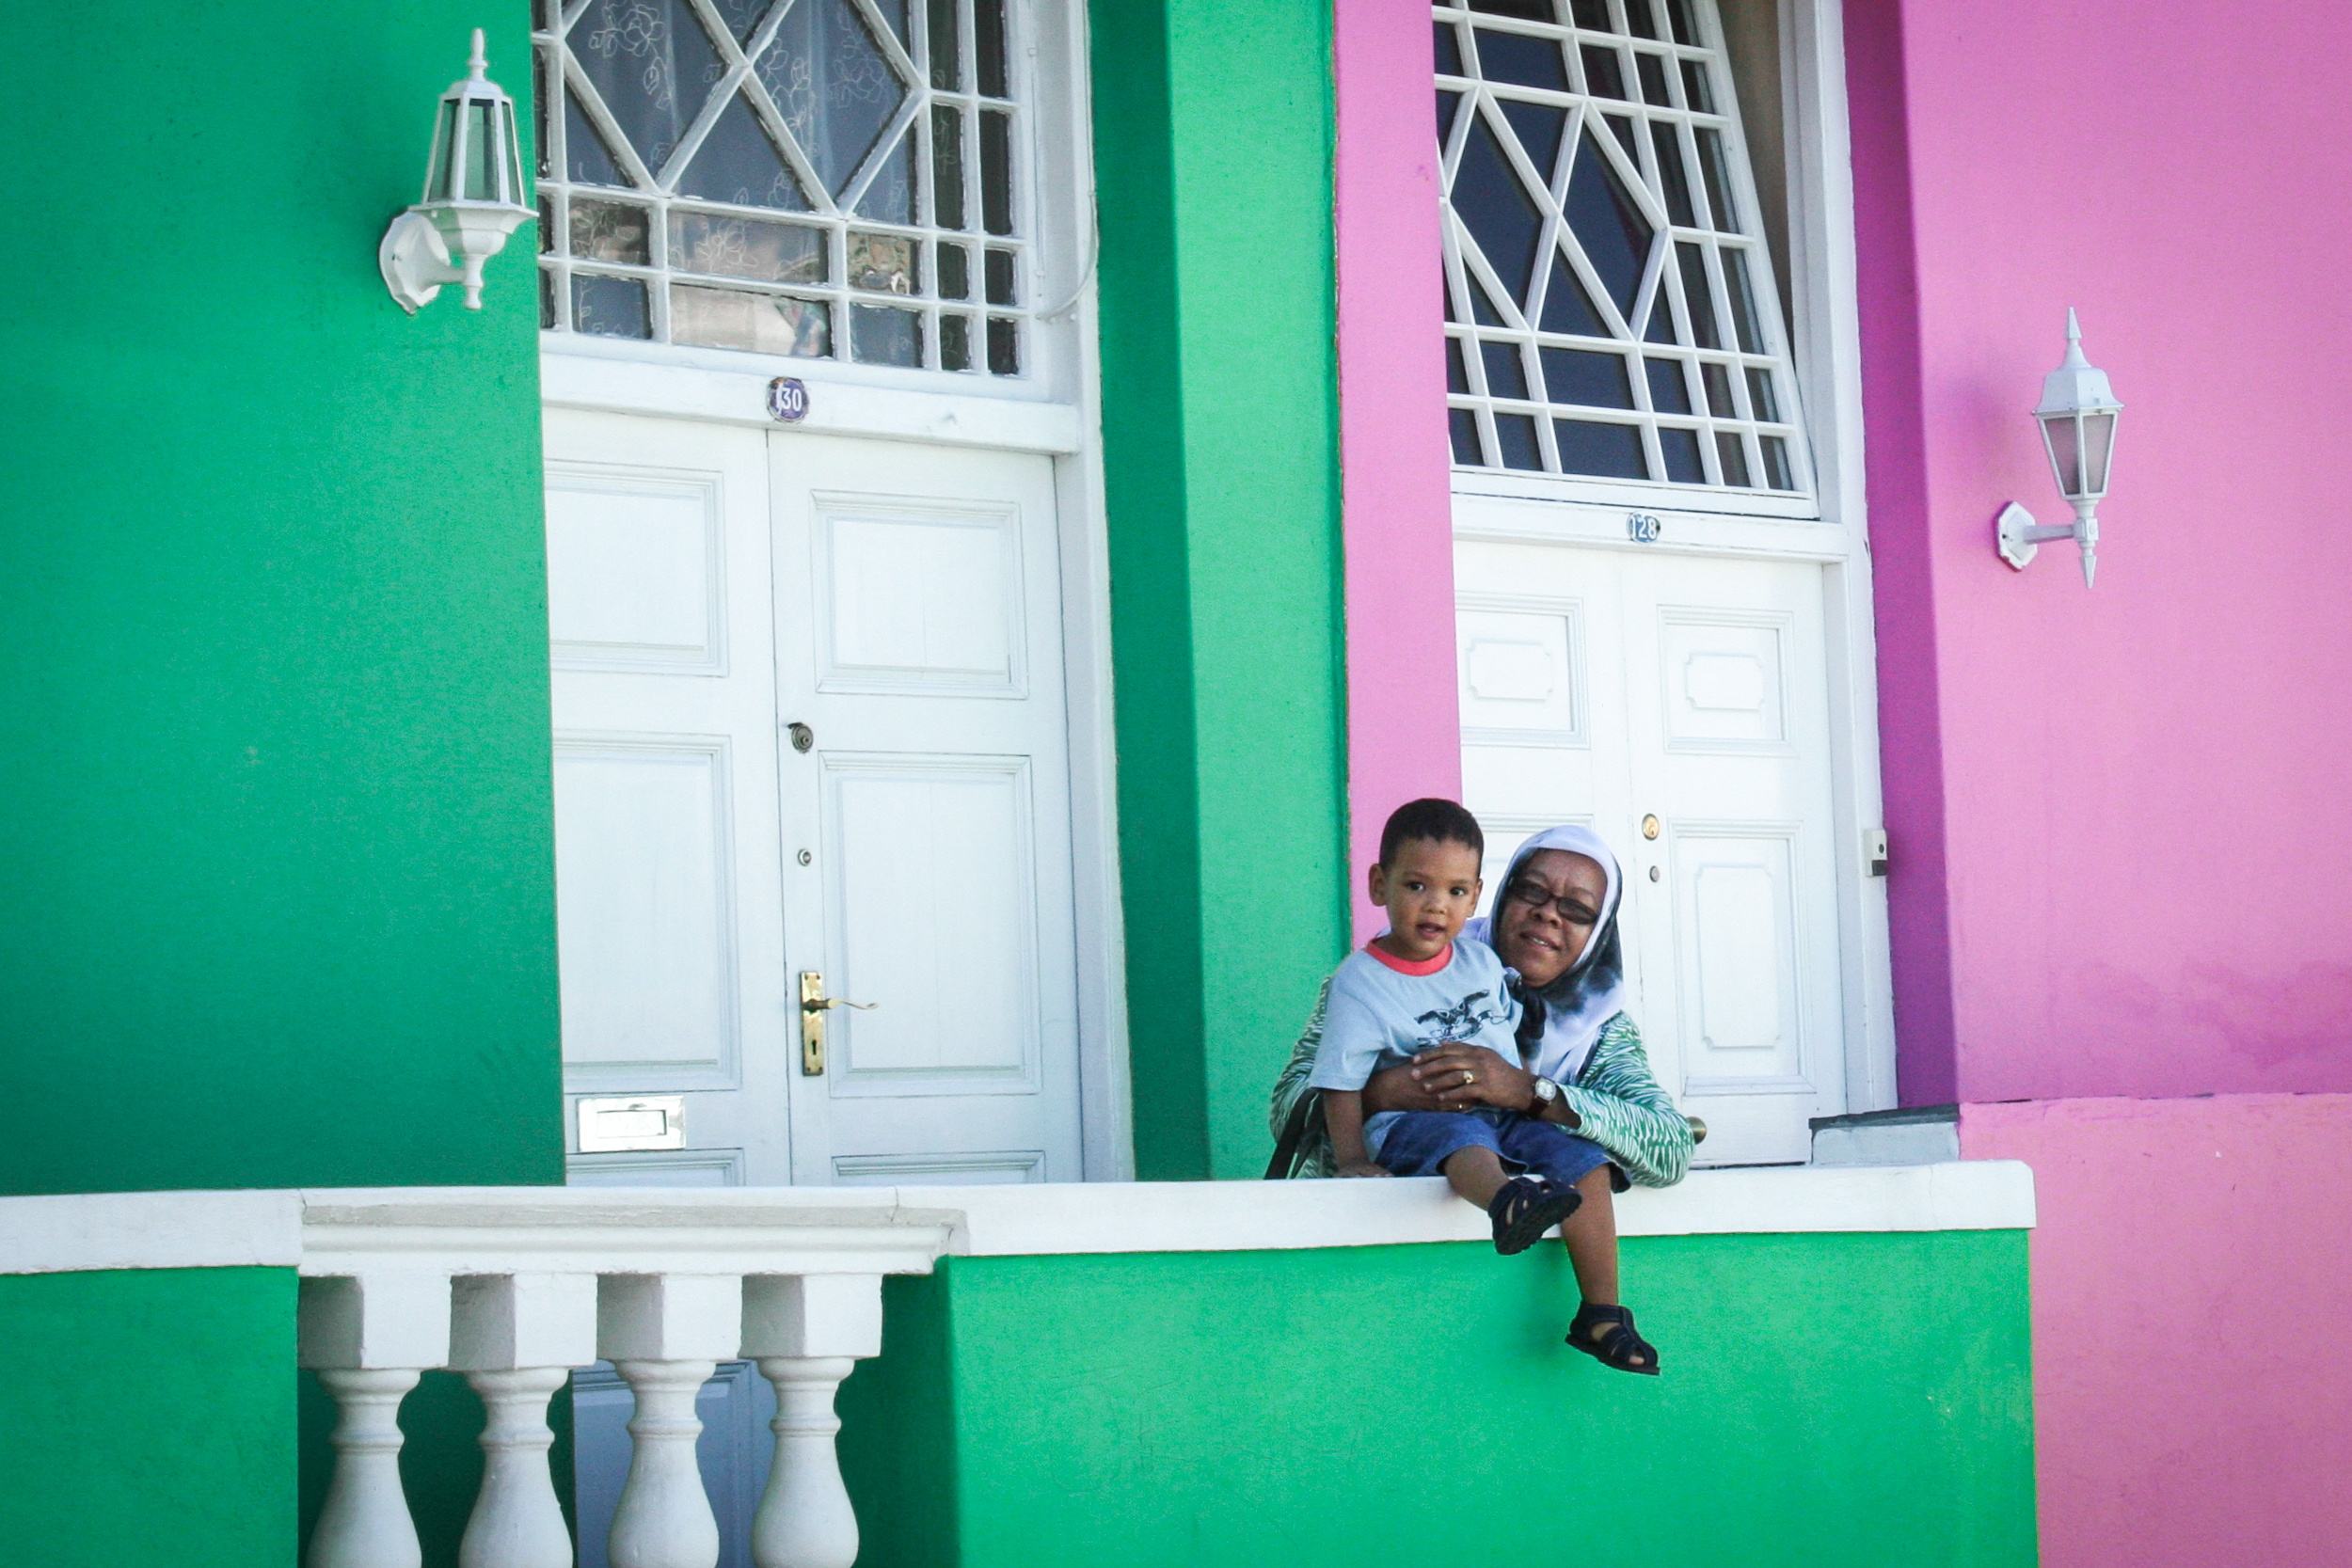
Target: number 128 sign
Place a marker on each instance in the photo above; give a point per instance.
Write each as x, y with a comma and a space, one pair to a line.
788, 400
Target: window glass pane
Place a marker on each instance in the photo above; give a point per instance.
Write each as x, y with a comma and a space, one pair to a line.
1671, 171
585, 157
1456, 374
1701, 298
1604, 77
1621, 127
1503, 218
1761, 396
1778, 473
1576, 375
890, 195
988, 47
609, 231
954, 274
1004, 347
1615, 235
1463, 426
955, 342
547, 297
1718, 181
1601, 450
1669, 391
1567, 309
1638, 20
652, 65
764, 323
610, 307
1686, 30
1538, 126
1516, 58
1449, 105
741, 16
738, 162
1743, 315
1680, 447
1506, 374
947, 168
1594, 14
1526, 11
885, 263
1449, 49
1717, 379
1661, 316
745, 247
996, 171
1734, 458
1696, 93
835, 88
1515, 434
1653, 73
947, 56
1000, 276
881, 336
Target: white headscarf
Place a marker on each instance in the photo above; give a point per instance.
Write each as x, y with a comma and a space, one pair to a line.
1591, 990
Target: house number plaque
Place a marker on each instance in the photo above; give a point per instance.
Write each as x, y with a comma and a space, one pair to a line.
788, 400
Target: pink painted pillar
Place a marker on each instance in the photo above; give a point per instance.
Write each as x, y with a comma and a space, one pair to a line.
1404, 728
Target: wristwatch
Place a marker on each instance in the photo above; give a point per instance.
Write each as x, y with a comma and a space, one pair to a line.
1547, 1096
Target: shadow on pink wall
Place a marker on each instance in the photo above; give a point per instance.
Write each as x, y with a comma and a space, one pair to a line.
2192, 1322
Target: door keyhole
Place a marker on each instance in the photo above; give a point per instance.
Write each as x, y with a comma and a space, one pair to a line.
803, 737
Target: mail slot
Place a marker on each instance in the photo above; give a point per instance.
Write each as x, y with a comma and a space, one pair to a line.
612, 1124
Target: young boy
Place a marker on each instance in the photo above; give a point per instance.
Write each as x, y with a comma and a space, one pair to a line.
1414, 987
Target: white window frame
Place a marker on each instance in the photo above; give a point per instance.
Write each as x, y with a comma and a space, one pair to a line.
1052, 409
1825, 347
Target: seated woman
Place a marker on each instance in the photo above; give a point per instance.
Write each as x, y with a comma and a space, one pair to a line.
1553, 921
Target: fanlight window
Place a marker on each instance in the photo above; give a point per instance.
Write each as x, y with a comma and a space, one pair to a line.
1610, 311
828, 178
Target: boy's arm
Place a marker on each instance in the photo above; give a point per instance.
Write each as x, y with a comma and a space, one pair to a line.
1343, 1118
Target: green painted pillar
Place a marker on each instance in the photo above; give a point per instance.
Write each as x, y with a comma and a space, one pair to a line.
1213, 149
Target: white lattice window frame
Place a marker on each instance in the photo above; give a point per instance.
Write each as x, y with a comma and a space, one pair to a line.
1639, 176
835, 217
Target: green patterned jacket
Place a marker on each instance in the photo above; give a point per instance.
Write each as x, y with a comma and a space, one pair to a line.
1615, 1097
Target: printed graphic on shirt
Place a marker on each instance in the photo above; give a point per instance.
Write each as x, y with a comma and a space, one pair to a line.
1463, 1020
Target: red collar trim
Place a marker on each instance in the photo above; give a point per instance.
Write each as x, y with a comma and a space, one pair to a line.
1412, 966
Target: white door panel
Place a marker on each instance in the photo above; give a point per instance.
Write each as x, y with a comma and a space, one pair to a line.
709, 587
1694, 691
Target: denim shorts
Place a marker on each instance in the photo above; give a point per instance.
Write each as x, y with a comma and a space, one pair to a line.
1418, 1143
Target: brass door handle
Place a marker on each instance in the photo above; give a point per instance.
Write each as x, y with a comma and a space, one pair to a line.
814, 1004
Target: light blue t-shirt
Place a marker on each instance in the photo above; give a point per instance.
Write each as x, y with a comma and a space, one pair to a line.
1379, 1017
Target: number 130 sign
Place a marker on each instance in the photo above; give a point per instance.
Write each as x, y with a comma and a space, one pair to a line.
788, 400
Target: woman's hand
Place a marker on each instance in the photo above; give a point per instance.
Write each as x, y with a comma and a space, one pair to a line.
1363, 1167
1456, 1077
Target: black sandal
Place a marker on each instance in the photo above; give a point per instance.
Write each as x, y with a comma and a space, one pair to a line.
1525, 1208
1625, 1350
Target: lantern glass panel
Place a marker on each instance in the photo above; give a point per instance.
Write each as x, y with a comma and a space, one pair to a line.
510, 156
480, 152
2098, 446
2064, 441
436, 175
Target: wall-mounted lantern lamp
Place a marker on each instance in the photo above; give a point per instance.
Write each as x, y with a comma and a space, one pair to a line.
2077, 416
473, 196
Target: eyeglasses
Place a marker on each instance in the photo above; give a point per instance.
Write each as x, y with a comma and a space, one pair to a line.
1570, 908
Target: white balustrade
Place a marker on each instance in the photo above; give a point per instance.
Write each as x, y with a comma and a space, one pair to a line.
517, 1290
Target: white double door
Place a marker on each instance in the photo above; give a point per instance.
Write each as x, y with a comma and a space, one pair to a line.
1677, 705
808, 708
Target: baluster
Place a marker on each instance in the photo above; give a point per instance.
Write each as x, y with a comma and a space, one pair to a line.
806, 1331
665, 1335
367, 1338
365, 1523
517, 1337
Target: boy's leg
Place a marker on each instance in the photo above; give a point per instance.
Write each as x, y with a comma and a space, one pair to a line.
1591, 1234
1475, 1173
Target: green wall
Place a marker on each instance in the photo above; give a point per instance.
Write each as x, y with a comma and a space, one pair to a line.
276, 870
1827, 1401
1213, 149
147, 1417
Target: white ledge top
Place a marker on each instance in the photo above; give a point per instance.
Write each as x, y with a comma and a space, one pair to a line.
901, 1229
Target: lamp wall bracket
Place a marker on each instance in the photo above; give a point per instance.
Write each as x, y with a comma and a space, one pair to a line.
2019, 538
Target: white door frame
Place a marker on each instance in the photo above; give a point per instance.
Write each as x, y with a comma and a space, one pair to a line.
1054, 411
1825, 343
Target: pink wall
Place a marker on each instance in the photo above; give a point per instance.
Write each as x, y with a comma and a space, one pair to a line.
2141, 787
1404, 732
2192, 1321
